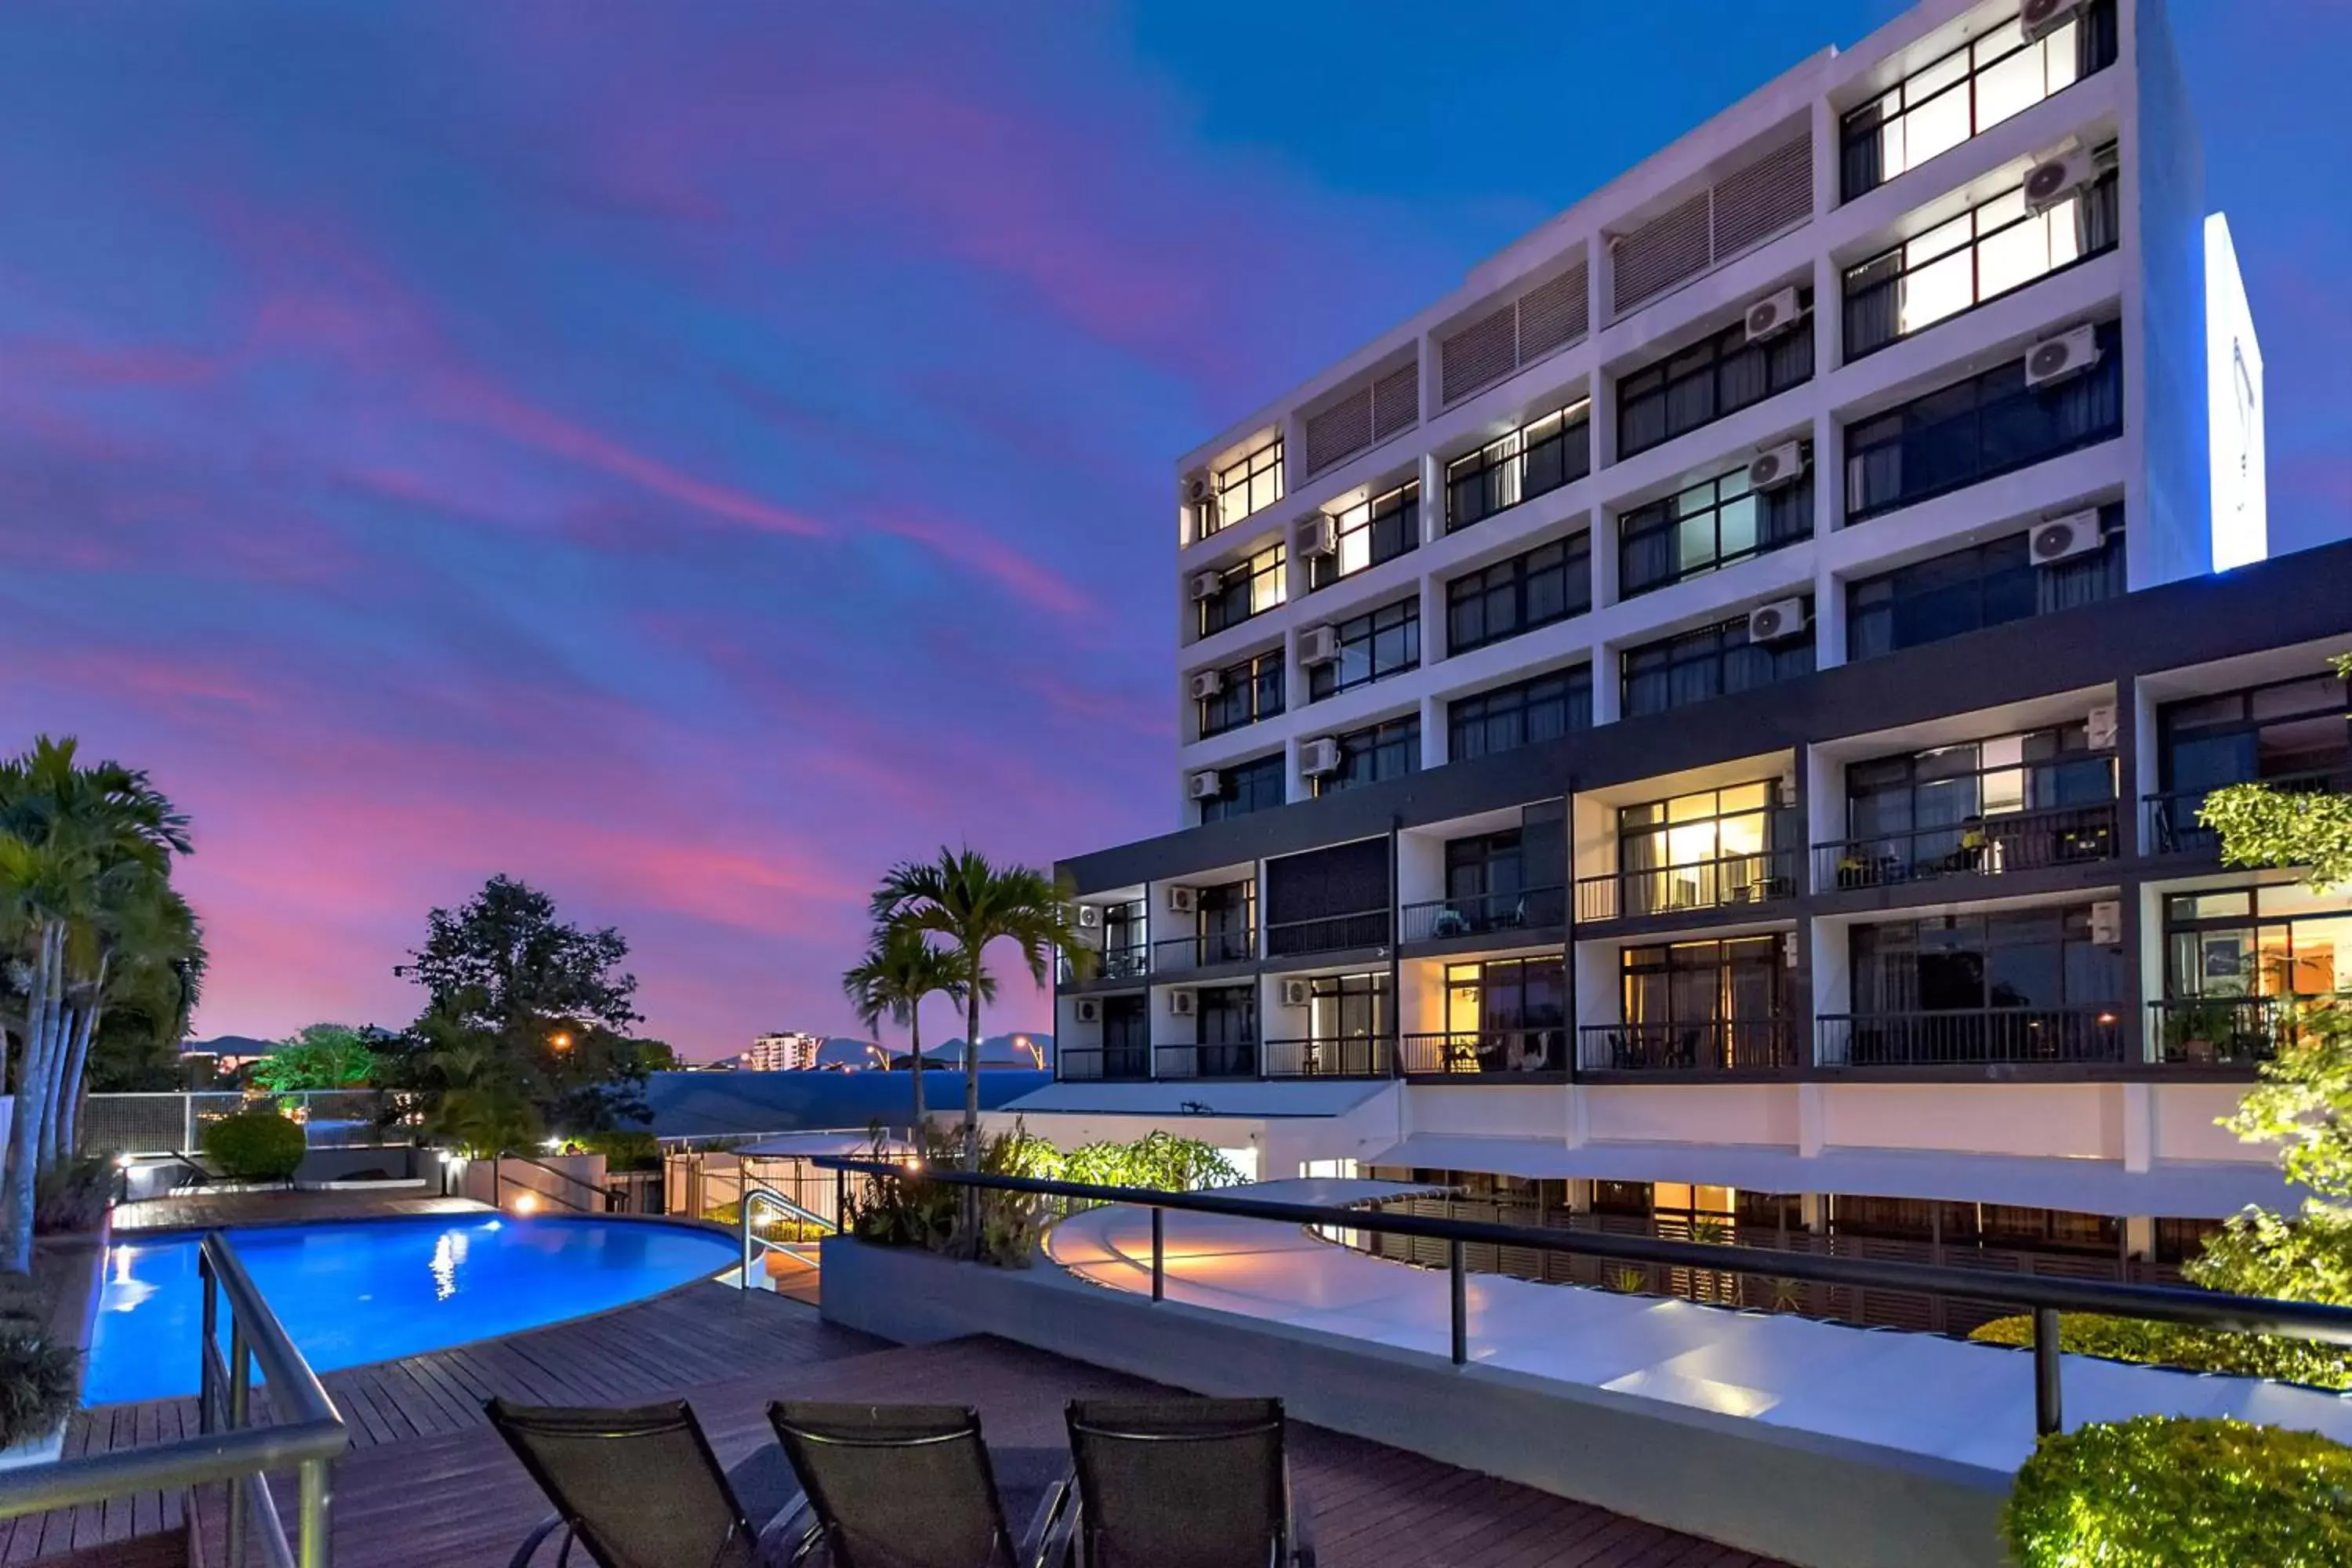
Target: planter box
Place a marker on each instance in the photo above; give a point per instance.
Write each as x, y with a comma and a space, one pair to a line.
38, 1451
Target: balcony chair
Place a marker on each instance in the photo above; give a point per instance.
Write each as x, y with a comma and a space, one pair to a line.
911, 1485
640, 1487
1186, 1483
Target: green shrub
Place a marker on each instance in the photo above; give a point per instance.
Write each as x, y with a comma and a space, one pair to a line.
2177, 1345
905, 1210
1158, 1160
69, 1198
36, 1385
2168, 1492
256, 1146
623, 1150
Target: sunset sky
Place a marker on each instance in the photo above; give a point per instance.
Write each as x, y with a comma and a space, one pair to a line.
690, 455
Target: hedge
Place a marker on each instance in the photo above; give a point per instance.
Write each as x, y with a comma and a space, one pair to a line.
2177, 1345
2163, 1491
256, 1146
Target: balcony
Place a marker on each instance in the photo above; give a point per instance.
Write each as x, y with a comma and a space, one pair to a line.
1485, 914
1693, 1049
1733, 882
1096, 1064
1350, 1055
1327, 933
1484, 1052
1993, 845
1990, 1036
2236, 1031
1181, 954
1226, 1060
2173, 827
1131, 962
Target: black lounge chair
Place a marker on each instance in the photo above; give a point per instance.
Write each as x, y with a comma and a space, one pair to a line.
636, 1488
1186, 1483
910, 1486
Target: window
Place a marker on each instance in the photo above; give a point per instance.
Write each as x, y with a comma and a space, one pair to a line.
1539, 456
1712, 661
1224, 1022
1701, 851
2289, 732
1981, 254
1982, 586
1968, 93
1377, 752
2008, 803
1372, 647
1701, 1007
2040, 958
2284, 940
1253, 691
1256, 785
1551, 583
1712, 378
1250, 483
1978, 428
1489, 865
1328, 899
1506, 1016
1524, 713
1224, 921
1125, 942
1348, 1007
1248, 587
1713, 523
1127, 1037
1370, 533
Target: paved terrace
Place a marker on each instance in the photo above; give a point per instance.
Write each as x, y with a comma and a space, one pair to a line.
428, 1485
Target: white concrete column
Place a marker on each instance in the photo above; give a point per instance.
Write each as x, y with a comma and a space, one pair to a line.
1432, 722
1812, 1120
2138, 1117
1607, 692
1433, 501
1578, 1128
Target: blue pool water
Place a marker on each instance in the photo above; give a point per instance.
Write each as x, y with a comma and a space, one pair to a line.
349, 1294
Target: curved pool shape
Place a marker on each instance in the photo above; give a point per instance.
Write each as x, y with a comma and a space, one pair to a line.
353, 1293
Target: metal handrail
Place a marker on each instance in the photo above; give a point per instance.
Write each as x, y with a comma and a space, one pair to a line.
2043, 1296
775, 1199
498, 1183
308, 1433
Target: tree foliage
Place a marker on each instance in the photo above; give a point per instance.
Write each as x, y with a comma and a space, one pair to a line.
317, 1055
902, 966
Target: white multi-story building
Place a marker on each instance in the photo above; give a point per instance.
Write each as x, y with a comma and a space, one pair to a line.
787, 1051
1706, 719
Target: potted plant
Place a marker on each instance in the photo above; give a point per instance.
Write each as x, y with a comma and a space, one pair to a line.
2194, 1030
38, 1379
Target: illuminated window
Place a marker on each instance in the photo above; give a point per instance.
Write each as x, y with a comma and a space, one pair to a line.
1710, 524
1539, 456
1369, 532
1249, 587
1250, 483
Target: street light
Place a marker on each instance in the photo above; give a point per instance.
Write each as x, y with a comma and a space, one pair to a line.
561, 1040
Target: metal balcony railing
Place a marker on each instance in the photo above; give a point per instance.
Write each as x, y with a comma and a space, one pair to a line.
2238, 1031
2172, 825
1331, 1056
1485, 1051
1987, 847
1485, 914
2023, 1036
1692, 1050
1229, 1058
1178, 955
1327, 933
1734, 879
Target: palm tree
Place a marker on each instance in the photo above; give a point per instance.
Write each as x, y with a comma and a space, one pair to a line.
900, 968
973, 904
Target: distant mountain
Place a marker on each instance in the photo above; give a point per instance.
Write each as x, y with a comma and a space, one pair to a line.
997, 1049
228, 1045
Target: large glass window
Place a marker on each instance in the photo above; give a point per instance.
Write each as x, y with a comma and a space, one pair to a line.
1127, 1037
1250, 483
1539, 456
1968, 93
1525, 712
2013, 803
1701, 1007
1372, 647
1701, 851
1369, 532
1982, 586
1487, 864
1535, 588
2039, 959
1225, 1024
1377, 752
1977, 429
1706, 525
1252, 692
1710, 661
2283, 940
1225, 922
1342, 1009
1506, 1015
1712, 378
1255, 785
2293, 733
1960, 263
1248, 587
1126, 941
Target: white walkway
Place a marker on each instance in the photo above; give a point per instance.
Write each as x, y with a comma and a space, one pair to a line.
1919, 1392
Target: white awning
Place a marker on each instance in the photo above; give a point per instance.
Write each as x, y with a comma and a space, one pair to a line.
2174, 1188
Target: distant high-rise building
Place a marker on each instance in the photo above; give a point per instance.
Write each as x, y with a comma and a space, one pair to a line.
788, 1051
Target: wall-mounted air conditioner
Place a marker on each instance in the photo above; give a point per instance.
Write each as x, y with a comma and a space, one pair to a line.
2055, 359
2057, 539
1318, 645
1319, 756
1182, 1003
1206, 785
1316, 535
1780, 618
1088, 1010
1183, 900
1772, 315
1783, 464
1205, 684
1297, 993
2041, 18
2106, 922
2056, 175
1205, 585
2099, 728
1088, 916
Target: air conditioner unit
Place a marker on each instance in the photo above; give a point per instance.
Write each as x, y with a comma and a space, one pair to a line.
2045, 17
1772, 622
1206, 683
1205, 785
1296, 992
1182, 1003
2057, 539
2055, 359
1089, 1010
1771, 316
2057, 175
1319, 756
2099, 728
1183, 900
1318, 645
1088, 916
1316, 535
1206, 584
2106, 922
1783, 464
1196, 490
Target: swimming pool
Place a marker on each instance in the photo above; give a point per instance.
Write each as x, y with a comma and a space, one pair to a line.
353, 1293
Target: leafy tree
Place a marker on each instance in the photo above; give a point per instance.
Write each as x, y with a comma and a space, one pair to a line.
900, 968
974, 904
657, 1056
317, 1055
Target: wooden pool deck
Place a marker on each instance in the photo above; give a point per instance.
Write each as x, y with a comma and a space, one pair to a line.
428, 1485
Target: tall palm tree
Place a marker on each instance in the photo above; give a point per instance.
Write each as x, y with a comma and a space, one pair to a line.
901, 967
972, 903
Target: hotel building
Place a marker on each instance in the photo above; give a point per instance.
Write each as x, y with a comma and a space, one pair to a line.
1704, 723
